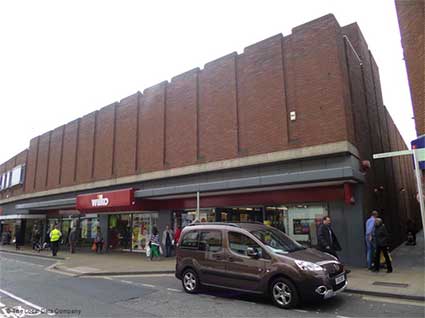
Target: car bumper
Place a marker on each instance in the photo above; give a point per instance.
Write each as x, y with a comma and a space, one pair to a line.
332, 293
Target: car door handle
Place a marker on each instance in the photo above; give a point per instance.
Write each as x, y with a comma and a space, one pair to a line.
231, 259
218, 257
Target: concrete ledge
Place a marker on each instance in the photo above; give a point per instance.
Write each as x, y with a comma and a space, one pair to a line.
384, 294
32, 254
284, 155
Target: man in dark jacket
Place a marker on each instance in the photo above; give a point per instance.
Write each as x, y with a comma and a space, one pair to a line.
327, 241
382, 243
73, 238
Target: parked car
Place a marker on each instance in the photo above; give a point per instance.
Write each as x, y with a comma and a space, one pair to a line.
257, 259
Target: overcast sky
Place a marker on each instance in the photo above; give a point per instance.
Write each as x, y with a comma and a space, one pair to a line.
60, 60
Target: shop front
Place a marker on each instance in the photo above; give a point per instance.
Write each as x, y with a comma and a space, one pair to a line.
126, 226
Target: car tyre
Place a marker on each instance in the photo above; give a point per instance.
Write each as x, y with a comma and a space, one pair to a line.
284, 293
190, 281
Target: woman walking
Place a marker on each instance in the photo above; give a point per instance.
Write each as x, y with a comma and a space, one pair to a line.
382, 243
99, 240
154, 243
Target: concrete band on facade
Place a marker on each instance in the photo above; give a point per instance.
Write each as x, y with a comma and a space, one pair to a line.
308, 152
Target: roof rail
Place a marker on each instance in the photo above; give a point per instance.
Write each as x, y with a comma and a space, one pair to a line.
214, 223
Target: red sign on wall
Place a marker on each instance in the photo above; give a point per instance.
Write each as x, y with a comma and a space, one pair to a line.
104, 201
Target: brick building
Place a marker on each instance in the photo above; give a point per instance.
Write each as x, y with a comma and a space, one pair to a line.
281, 133
412, 28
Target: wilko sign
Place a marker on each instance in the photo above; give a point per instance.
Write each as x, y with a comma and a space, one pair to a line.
100, 201
106, 201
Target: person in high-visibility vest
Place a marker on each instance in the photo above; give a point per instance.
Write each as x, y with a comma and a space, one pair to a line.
55, 236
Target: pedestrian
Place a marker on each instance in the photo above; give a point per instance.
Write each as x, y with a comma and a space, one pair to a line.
35, 238
99, 240
370, 227
55, 236
154, 243
73, 238
382, 243
411, 232
18, 237
177, 234
326, 238
167, 240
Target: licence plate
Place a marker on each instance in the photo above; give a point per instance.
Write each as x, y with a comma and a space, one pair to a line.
339, 279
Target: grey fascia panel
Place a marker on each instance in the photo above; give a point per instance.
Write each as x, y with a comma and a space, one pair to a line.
143, 193
186, 188
244, 183
211, 186
163, 191
280, 179
46, 204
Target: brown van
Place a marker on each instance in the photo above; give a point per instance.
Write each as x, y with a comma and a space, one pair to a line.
258, 259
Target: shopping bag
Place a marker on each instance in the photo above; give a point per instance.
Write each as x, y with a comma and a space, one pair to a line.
93, 247
148, 251
160, 250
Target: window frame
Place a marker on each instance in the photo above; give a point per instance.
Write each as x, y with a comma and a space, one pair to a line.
209, 231
264, 254
190, 247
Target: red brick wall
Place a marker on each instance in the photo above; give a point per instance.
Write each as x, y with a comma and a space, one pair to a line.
31, 165
218, 134
126, 136
412, 28
55, 159
85, 148
69, 154
262, 107
315, 52
151, 129
42, 162
181, 120
104, 147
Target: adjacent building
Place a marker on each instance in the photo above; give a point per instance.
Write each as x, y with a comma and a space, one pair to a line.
282, 133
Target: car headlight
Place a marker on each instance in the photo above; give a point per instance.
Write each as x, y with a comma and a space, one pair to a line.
308, 266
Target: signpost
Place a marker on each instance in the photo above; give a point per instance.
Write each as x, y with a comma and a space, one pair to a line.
418, 155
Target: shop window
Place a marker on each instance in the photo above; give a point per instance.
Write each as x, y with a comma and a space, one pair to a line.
210, 241
190, 240
239, 243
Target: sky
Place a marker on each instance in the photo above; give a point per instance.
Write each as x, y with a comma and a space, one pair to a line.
60, 60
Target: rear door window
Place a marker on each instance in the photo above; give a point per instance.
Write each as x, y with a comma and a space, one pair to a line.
210, 241
190, 240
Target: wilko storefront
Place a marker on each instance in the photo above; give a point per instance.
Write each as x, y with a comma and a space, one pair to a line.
124, 224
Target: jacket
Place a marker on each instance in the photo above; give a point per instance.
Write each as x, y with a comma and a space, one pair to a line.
381, 237
55, 235
164, 237
73, 236
324, 235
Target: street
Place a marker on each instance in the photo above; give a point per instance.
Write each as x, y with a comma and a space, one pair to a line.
26, 283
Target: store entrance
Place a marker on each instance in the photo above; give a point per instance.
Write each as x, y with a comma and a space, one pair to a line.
119, 232
130, 232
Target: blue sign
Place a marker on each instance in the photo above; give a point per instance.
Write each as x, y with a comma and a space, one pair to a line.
418, 144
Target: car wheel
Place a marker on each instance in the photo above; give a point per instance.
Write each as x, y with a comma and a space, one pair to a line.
190, 281
283, 293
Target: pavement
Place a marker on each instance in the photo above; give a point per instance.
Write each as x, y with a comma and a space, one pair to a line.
406, 281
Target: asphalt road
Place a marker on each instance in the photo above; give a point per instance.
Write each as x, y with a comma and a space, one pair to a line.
25, 284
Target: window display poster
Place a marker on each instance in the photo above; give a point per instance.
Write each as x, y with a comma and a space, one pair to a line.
84, 228
302, 226
93, 229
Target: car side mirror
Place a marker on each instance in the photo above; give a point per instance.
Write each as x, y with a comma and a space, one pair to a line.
252, 252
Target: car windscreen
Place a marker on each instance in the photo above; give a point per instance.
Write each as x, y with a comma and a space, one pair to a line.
277, 241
